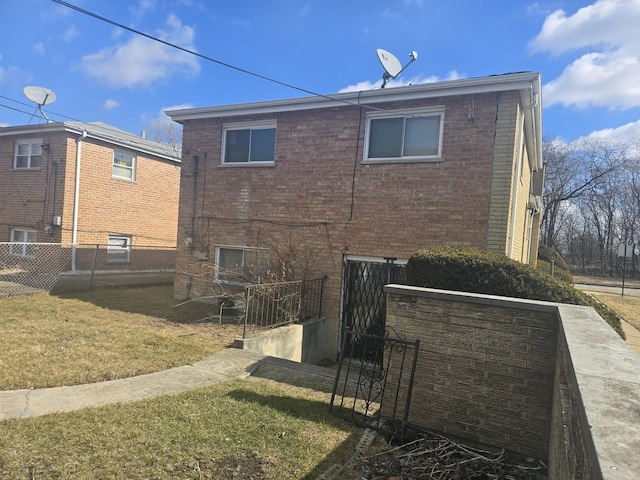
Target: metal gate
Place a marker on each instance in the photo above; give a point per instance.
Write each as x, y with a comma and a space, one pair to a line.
377, 393
364, 303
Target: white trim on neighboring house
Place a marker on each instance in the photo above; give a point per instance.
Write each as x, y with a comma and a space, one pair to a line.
99, 131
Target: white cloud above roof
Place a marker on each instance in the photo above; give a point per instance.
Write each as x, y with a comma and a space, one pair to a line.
605, 74
628, 134
111, 104
141, 61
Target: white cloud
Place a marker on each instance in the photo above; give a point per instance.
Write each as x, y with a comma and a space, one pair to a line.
399, 82
606, 22
39, 48
142, 7
606, 74
71, 33
628, 134
141, 61
111, 104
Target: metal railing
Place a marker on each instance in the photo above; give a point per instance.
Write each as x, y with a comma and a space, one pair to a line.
270, 305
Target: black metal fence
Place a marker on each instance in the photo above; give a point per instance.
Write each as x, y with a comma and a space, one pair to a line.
270, 305
374, 389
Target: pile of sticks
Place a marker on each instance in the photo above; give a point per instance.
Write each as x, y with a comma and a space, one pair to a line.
436, 457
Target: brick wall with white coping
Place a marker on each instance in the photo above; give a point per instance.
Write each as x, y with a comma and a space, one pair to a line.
547, 380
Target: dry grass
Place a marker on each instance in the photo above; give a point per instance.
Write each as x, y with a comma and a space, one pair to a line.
627, 307
102, 335
242, 429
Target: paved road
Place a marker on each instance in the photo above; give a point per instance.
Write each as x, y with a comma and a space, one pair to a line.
631, 292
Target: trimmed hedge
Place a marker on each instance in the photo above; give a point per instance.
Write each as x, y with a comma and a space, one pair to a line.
469, 270
561, 272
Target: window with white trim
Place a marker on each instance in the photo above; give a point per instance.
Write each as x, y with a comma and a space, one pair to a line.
24, 240
27, 154
124, 165
413, 136
240, 264
119, 249
249, 143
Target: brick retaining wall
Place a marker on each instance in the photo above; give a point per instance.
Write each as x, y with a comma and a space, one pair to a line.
546, 380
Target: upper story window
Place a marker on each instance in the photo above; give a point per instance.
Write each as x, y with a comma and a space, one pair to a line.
410, 136
28, 154
124, 165
249, 143
23, 238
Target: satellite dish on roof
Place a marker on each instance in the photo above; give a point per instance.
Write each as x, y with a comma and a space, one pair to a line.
40, 95
392, 66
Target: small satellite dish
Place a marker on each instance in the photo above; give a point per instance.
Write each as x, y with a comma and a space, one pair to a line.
392, 66
40, 95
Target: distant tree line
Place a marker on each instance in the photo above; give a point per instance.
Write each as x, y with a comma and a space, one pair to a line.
592, 204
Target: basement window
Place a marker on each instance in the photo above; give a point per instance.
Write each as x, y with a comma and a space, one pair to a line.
119, 249
23, 243
240, 264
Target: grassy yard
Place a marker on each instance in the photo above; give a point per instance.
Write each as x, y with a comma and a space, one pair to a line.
242, 429
628, 307
104, 334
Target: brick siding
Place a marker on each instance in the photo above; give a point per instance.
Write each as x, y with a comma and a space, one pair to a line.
485, 370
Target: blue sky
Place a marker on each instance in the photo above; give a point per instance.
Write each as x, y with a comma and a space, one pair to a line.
588, 52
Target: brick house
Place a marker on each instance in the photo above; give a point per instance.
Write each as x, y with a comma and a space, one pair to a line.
308, 185
88, 183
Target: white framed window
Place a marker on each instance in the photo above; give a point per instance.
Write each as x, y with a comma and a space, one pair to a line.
24, 240
119, 249
249, 144
409, 136
124, 165
28, 154
239, 264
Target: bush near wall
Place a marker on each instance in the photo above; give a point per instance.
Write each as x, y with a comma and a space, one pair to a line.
468, 270
547, 256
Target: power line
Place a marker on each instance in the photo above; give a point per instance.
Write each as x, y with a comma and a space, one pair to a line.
193, 52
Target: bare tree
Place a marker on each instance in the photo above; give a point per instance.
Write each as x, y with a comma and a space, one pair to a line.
573, 170
166, 132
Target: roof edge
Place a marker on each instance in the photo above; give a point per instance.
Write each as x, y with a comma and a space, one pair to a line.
493, 83
102, 132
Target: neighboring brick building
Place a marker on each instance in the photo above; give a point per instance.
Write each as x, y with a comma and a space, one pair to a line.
307, 185
88, 183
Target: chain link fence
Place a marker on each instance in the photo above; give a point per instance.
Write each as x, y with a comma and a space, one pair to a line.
26, 268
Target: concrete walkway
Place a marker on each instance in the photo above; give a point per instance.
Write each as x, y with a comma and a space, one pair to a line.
228, 364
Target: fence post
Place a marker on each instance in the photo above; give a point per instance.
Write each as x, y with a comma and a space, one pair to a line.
93, 265
246, 311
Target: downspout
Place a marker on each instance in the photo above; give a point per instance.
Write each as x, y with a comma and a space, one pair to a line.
76, 200
514, 206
